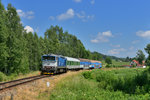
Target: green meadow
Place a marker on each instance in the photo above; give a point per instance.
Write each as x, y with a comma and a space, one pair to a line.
120, 84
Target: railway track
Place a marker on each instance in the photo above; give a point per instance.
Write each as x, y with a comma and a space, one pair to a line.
10, 84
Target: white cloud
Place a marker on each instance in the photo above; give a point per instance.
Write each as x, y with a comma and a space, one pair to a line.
102, 37
92, 1
107, 33
28, 29
20, 12
37, 29
116, 51
52, 18
70, 14
30, 17
82, 15
77, 1
28, 14
95, 41
135, 42
131, 48
143, 34
67, 15
116, 46
113, 51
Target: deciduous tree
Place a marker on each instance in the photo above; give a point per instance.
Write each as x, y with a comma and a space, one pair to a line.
140, 56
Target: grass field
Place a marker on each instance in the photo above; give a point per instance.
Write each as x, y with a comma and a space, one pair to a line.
3, 77
121, 84
116, 63
119, 63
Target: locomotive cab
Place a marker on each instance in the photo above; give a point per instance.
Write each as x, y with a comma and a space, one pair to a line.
49, 64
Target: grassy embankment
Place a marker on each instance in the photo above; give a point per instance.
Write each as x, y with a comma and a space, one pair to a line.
4, 77
122, 84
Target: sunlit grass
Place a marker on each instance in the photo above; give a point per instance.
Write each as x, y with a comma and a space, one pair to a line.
3, 77
99, 85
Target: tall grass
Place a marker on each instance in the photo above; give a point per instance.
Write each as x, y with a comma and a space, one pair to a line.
4, 77
101, 85
131, 81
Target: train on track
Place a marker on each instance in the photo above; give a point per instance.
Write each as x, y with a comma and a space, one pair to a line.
52, 64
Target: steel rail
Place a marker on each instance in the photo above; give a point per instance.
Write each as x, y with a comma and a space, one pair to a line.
19, 79
25, 80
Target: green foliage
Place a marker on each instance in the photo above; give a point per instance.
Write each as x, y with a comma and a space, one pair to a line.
15, 43
133, 66
102, 85
3, 39
108, 66
87, 74
63, 43
131, 81
127, 59
115, 64
120, 63
147, 49
140, 56
2, 77
96, 56
108, 60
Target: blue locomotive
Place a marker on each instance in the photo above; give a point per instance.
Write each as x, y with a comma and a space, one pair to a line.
53, 64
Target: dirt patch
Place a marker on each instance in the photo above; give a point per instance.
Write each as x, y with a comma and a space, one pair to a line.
38, 90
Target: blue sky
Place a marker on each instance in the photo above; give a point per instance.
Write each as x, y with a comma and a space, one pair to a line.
111, 27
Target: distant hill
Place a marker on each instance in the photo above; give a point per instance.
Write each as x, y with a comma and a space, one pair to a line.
100, 56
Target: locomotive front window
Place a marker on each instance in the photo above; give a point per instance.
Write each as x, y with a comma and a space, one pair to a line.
48, 58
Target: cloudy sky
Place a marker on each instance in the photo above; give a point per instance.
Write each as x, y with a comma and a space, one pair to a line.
111, 27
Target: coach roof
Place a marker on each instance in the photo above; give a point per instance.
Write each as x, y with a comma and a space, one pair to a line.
95, 61
72, 59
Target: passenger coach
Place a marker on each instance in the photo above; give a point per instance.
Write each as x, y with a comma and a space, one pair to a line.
73, 63
85, 63
95, 64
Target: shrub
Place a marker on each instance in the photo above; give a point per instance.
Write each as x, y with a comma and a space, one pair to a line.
107, 85
108, 66
2, 77
125, 80
87, 74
